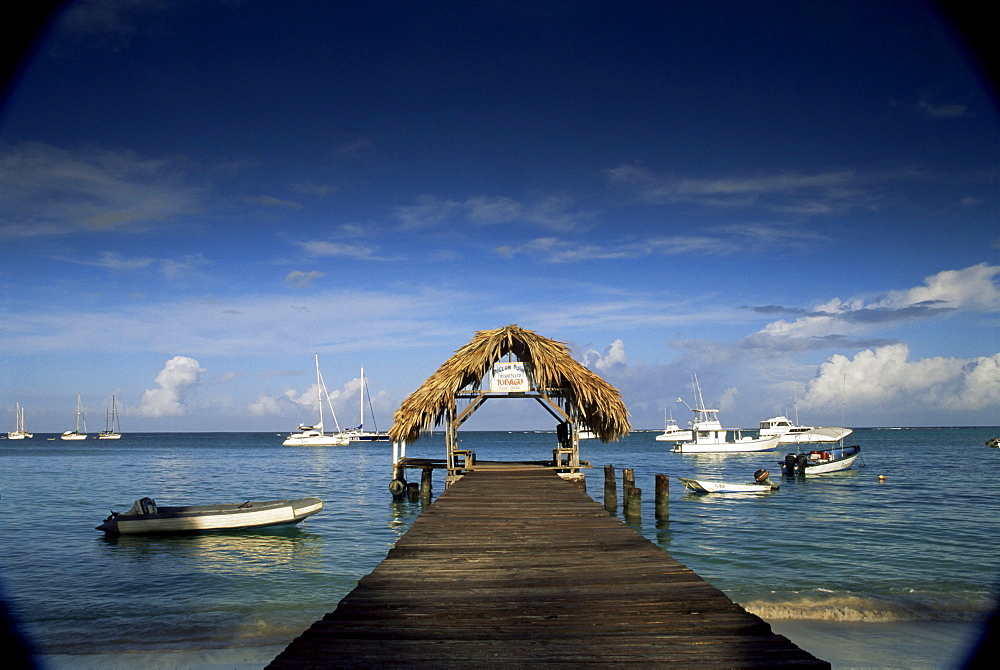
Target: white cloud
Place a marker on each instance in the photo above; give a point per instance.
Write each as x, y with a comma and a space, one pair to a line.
614, 355
552, 212
886, 376
50, 191
301, 279
174, 382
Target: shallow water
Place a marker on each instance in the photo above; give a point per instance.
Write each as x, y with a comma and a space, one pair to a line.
919, 546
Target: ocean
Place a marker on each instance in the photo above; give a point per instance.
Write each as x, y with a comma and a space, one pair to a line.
861, 571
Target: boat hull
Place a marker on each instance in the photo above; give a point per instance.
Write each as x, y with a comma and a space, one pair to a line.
315, 440
740, 446
674, 436
702, 486
821, 462
73, 436
199, 518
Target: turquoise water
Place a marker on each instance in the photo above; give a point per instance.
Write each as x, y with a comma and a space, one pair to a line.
920, 545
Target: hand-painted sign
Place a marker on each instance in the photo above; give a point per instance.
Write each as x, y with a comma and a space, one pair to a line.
510, 377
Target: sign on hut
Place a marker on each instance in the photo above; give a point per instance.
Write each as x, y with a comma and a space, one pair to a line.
518, 363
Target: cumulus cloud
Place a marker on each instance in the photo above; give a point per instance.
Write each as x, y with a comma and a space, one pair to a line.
882, 376
175, 381
614, 355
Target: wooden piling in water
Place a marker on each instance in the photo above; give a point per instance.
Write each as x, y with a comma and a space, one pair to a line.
610, 490
662, 500
633, 504
518, 568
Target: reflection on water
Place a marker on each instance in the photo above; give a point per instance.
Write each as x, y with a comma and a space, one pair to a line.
220, 551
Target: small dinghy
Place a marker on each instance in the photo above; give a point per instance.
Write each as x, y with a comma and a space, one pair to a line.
761, 484
146, 516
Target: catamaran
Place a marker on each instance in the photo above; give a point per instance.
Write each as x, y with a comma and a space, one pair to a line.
708, 435
359, 434
112, 431
76, 434
19, 432
313, 436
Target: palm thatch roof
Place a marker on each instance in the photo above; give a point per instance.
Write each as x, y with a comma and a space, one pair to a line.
582, 394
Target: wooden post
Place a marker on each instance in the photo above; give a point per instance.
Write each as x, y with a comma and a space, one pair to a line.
610, 490
662, 496
628, 481
633, 503
425, 486
413, 492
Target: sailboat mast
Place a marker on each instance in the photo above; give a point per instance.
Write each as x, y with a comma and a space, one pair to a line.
362, 398
319, 394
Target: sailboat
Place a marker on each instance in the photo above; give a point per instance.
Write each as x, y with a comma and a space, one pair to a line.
112, 431
76, 434
313, 436
19, 432
708, 435
359, 434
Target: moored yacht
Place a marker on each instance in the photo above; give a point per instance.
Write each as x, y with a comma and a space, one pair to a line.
708, 435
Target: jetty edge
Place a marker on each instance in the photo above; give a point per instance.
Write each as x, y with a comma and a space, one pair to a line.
518, 567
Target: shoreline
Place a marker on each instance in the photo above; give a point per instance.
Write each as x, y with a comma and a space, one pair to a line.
845, 645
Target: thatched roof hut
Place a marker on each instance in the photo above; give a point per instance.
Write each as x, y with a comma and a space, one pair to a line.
583, 396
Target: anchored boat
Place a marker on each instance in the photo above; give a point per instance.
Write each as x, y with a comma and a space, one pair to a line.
145, 516
708, 435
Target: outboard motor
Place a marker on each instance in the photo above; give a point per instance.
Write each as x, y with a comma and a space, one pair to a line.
789, 467
801, 463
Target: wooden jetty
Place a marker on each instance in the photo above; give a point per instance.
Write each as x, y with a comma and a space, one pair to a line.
515, 567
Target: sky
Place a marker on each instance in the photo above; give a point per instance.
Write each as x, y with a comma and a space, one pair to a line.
798, 202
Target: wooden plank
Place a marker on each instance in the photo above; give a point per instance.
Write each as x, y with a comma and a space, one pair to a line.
518, 567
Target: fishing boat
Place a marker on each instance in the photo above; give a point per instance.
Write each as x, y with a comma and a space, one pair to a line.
313, 436
825, 459
671, 431
112, 431
708, 435
792, 433
822, 461
76, 434
19, 432
359, 434
761, 484
145, 516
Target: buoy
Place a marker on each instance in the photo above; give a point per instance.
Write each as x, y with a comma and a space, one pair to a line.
881, 478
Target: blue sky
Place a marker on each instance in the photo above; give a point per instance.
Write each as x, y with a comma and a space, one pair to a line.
797, 201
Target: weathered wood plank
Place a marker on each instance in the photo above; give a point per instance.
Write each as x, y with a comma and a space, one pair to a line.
518, 568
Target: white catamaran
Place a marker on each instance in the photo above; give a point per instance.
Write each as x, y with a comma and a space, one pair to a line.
76, 434
313, 436
359, 434
19, 432
112, 431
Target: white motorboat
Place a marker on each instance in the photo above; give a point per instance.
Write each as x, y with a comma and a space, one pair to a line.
359, 434
792, 433
671, 431
823, 461
709, 437
313, 436
76, 434
19, 432
112, 431
761, 484
146, 516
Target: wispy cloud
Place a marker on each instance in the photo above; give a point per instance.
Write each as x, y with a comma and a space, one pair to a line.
46, 190
553, 212
787, 192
